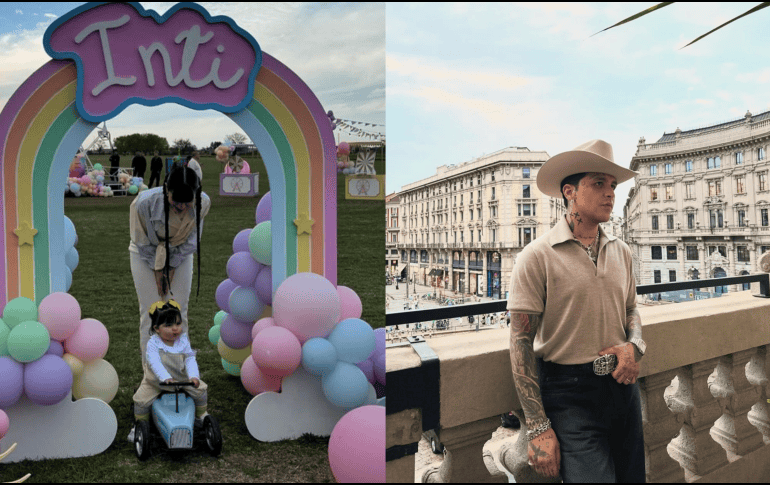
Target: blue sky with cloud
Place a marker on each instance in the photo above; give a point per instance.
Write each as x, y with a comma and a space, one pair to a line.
337, 49
468, 79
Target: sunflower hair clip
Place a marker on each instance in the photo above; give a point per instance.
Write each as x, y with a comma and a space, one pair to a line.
160, 304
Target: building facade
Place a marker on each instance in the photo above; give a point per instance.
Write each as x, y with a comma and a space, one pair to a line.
462, 228
699, 208
391, 233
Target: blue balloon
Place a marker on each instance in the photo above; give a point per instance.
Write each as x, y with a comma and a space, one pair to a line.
354, 340
71, 259
346, 386
245, 304
70, 235
319, 356
100, 178
67, 279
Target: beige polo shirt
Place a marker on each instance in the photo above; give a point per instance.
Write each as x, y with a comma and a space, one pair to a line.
583, 306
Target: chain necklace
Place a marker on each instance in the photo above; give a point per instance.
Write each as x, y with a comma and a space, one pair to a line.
589, 249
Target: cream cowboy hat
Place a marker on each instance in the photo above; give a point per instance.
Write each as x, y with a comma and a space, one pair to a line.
593, 156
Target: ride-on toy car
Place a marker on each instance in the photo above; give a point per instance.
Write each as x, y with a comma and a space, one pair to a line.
173, 416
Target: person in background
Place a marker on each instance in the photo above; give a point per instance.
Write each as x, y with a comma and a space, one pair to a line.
114, 165
194, 163
156, 167
139, 164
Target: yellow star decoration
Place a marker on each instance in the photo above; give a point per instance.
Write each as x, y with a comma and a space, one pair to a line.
304, 224
25, 232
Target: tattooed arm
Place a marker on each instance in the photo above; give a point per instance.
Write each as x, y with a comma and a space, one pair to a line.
634, 328
543, 451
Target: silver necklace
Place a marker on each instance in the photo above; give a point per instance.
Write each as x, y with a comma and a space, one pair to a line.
589, 250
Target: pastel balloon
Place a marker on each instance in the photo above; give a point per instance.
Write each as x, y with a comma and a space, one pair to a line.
133, 190
76, 365
234, 356
214, 334
67, 279
231, 369
13, 381
71, 259
223, 294
379, 368
264, 208
319, 357
379, 340
4, 423
241, 241
343, 149
255, 381
263, 283
276, 351
357, 446
350, 303
60, 313
235, 333
354, 340
47, 380
242, 269
261, 243
308, 305
346, 386
19, 310
4, 331
261, 324
55, 348
245, 305
98, 380
90, 340
28, 341
267, 312
220, 317
367, 367
98, 166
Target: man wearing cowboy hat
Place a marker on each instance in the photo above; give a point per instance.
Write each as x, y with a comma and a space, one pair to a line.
576, 335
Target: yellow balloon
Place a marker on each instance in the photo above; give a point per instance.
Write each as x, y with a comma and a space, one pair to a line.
75, 364
268, 312
98, 379
234, 356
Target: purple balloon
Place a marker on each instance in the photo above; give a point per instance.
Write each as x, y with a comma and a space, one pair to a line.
367, 367
223, 294
242, 269
245, 305
235, 333
379, 368
55, 348
13, 382
264, 285
264, 208
47, 380
241, 241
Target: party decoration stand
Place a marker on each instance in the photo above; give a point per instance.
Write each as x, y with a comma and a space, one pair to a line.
8, 452
238, 184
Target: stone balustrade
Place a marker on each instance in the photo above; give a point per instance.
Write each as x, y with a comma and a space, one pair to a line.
705, 386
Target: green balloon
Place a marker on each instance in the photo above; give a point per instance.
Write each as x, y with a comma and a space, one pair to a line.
133, 190
28, 341
232, 369
261, 243
214, 334
4, 331
219, 317
19, 310
98, 166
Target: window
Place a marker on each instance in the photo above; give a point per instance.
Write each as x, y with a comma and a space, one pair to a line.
526, 234
715, 187
494, 211
653, 170
656, 276
471, 231
742, 253
672, 275
670, 221
760, 153
470, 198
721, 249
740, 183
671, 252
669, 192
656, 252
692, 253
653, 193
741, 218
668, 169
690, 220
716, 218
763, 181
688, 166
527, 209
494, 235
479, 213
689, 190
479, 235
525, 172
654, 223
471, 214
738, 158
493, 193
525, 190
763, 212
709, 162
717, 162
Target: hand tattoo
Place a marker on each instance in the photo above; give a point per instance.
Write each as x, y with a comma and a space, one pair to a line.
538, 451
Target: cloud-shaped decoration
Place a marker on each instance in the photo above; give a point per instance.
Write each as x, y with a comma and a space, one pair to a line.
65, 430
300, 408
126, 54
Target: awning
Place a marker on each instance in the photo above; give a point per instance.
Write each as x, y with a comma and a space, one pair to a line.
439, 272
432, 272
401, 268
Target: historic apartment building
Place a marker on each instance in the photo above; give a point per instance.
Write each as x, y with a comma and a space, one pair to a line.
462, 228
391, 233
700, 205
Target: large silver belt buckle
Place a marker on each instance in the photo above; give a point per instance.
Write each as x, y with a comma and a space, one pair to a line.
605, 364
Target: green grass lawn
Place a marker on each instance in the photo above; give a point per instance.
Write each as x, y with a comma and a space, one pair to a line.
103, 286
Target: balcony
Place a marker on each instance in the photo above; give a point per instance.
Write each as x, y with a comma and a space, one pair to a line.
705, 393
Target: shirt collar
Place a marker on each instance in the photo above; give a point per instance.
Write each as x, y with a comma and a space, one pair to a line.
562, 233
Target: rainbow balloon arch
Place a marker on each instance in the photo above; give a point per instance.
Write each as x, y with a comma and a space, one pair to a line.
53, 111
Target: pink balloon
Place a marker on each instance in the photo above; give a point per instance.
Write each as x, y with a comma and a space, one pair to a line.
90, 340
60, 313
235, 333
261, 324
350, 303
255, 381
343, 149
357, 446
5, 423
276, 351
308, 305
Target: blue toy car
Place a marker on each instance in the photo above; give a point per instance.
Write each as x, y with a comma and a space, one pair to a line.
173, 416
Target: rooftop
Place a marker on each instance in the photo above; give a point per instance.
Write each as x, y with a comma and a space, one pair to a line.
720, 126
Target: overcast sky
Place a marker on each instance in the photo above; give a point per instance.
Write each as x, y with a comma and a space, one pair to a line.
470, 79
338, 50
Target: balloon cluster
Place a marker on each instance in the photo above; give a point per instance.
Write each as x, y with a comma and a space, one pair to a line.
91, 183
343, 164
48, 350
71, 257
133, 185
78, 166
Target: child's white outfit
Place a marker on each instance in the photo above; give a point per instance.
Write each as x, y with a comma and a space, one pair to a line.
163, 362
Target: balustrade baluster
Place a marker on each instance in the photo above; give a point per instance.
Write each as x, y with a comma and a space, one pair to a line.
758, 373
660, 427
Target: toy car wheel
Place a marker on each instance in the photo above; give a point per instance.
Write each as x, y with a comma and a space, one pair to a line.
213, 435
142, 440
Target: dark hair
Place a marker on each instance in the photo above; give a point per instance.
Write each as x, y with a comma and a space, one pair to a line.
183, 184
571, 180
167, 314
